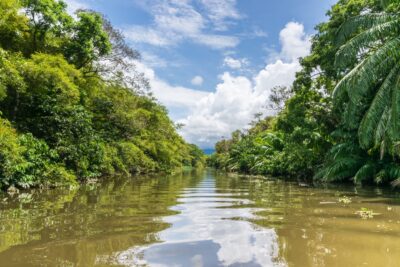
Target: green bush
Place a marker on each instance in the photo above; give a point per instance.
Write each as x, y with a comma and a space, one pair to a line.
26, 161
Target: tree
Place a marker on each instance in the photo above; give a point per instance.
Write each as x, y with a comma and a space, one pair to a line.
367, 96
71, 105
48, 21
89, 42
278, 97
374, 83
13, 25
309, 122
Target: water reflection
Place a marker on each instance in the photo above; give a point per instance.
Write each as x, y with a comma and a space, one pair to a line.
77, 227
199, 219
311, 233
211, 229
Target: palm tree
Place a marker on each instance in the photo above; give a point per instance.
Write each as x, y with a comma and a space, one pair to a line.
369, 92
373, 83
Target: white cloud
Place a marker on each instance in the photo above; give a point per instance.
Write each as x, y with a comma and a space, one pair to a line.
276, 74
175, 21
219, 11
197, 80
176, 96
154, 61
177, 16
259, 33
217, 41
235, 63
169, 95
295, 43
237, 98
223, 111
140, 34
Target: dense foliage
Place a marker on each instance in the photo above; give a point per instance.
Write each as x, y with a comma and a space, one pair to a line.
341, 121
72, 105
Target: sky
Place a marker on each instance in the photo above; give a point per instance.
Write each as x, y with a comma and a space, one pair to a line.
212, 63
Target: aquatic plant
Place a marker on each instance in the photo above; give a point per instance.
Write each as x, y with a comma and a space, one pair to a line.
366, 213
345, 200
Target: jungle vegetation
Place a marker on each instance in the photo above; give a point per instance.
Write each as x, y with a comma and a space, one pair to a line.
72, 104
340, 120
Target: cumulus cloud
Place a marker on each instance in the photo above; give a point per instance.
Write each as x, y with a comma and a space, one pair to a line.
278, 73
237, 98
230, 107
235, 63
169, 95
175, 21
197, 80
295, 43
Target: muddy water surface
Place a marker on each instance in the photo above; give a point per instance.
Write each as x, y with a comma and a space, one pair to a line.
200, 219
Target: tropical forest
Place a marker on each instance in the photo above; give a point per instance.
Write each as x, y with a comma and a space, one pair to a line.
69, 112
340, 120
199, 133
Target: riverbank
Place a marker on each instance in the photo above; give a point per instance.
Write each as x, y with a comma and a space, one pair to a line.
12, 190
73, 106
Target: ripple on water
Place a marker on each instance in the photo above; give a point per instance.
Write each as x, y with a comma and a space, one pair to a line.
200, 219
209, 230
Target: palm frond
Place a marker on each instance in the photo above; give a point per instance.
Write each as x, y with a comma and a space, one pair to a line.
364, 173
352, 116
390, 172
360, 23
381, 129
343, 149
341, 88
374, 116
394, 127
365, 40
340, 169
369, 72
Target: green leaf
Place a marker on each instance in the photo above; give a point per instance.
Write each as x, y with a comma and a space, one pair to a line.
367, 131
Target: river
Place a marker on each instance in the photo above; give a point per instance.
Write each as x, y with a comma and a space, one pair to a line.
200, 219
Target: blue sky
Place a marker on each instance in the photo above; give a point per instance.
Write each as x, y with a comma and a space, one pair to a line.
213, 62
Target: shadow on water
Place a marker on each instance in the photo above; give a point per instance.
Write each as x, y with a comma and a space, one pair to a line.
199, 219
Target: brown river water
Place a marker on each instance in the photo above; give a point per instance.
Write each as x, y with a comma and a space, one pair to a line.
200, 219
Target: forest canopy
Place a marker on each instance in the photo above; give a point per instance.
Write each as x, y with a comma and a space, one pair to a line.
340, 121
72, 104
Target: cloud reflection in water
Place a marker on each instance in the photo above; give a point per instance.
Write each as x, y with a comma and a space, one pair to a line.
211, 229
